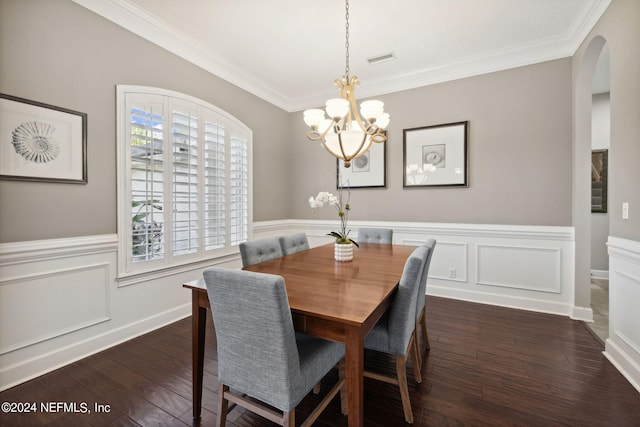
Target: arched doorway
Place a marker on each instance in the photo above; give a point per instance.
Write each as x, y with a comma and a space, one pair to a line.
583, 108
600, 145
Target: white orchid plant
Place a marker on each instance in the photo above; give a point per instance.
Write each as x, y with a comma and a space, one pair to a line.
342, 206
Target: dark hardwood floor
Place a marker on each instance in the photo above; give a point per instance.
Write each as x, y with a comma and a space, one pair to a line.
488, 366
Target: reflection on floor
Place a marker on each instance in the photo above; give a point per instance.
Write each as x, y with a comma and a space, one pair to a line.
600, 307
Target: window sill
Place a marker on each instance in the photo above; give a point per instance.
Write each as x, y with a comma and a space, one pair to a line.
133, 278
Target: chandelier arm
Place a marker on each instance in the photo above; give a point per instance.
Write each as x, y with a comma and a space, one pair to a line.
364, 126
314, 135
364, 145
379, 136
347, 159
348, 92
344, 155
359, 152
338, 155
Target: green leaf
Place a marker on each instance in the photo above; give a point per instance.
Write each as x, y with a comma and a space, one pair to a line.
335, 234
138, 217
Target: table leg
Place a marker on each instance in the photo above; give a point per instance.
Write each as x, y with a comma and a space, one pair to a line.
198, 328
354, 373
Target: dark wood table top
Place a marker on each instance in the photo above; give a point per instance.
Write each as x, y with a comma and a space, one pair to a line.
347, 291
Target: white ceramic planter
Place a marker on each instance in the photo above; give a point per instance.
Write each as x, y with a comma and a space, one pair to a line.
343, 252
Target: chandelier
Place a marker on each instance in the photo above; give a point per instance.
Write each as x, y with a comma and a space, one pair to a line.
347, 133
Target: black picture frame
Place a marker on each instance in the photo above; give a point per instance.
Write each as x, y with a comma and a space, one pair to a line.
42, 142
436, 156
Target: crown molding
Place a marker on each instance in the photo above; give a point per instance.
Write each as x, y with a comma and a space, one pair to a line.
136, 20
525, 54
156, 31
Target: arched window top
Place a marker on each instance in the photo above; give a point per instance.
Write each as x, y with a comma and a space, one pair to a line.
184, 174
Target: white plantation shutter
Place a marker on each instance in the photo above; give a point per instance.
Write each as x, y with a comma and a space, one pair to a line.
186, 169
147, 178
215, 224
239, 190
185, 182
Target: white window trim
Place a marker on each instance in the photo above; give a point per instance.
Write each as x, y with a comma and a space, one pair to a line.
146, 270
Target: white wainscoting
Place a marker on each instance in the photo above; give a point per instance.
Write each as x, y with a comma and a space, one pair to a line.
60, 299
525, 267
623, 344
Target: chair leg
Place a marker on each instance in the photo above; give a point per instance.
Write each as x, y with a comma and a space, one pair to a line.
342, 369
401, 372
223, 405
289, 418
425, 335
416, 343
337, 388
415, 358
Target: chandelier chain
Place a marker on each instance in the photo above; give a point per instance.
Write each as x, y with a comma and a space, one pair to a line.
346, 45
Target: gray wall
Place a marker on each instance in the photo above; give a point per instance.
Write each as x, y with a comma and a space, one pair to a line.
62, 54
620, 28
520, 152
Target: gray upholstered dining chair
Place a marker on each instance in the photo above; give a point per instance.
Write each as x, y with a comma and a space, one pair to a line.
255, 251
421, 319
259, 353
395, 331
293, 243
375, 235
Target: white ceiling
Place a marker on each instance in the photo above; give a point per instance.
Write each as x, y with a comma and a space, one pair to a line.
288, 52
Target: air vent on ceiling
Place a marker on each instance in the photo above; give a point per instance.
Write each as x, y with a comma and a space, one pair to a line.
382, 58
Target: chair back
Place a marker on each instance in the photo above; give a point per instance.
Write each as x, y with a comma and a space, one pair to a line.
293, 243
375, 235
255, 251
403, 309
257, 351
422, 290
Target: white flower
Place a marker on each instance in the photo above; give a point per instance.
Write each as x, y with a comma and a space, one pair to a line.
341, 204
324, 197
315, 204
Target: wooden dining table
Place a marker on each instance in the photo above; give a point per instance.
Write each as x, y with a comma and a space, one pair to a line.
338, 301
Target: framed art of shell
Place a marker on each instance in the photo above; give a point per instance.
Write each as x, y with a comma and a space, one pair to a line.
436, 156
40, 142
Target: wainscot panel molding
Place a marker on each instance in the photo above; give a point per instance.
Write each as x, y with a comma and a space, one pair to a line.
72, 304
60, 301
524, 271
622, 347
525, 267
38, 250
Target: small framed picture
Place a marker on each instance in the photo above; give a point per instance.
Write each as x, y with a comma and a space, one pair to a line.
599, 169
40, 142
366, 171
436, 156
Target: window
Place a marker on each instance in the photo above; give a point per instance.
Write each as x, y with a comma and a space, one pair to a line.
183, 180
